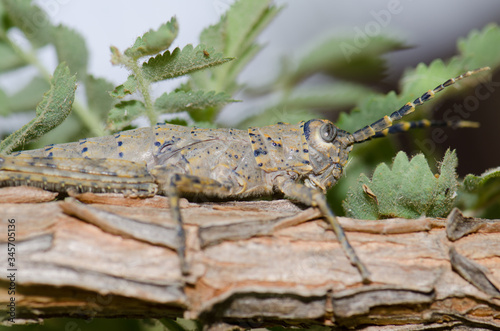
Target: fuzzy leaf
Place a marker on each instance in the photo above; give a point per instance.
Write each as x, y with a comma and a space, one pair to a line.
154, 41
214, 35
70, 48
482, 48
9, 58
417, 81
181, 62
482, 193
98, 98
31, 20
243, 18
50, 112
124, 113
191, 101
127, 88
235, 35
408, 190
473, 182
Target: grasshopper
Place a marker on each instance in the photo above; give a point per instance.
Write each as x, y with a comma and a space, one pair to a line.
301, 161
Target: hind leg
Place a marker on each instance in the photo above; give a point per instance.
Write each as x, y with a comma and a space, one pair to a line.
174, 185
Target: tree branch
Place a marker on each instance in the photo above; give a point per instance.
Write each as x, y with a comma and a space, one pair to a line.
252, 264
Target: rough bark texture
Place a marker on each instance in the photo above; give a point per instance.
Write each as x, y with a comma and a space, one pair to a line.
253, 264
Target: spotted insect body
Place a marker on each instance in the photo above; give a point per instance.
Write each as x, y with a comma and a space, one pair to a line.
300, 161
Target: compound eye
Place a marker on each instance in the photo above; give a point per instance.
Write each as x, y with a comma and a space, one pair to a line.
328, 132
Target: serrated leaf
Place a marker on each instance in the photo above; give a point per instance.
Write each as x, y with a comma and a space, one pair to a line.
71, 48
154, 41
98, 98
127, 88
29, 96
181, 62
10, 59
124, 113
409, 189
214, 35
50, 112
481, 48
473, 182
235, 34
31, 20
191, 101
482, 193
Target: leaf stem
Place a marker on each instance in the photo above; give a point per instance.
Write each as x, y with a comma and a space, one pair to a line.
143, 86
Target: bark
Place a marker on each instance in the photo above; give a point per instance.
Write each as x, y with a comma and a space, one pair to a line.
253, 264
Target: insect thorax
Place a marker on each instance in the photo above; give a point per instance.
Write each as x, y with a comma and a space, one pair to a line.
298, 148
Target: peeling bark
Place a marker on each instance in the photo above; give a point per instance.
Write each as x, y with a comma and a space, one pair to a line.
253, 264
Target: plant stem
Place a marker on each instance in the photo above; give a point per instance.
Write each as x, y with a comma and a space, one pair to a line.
143, 86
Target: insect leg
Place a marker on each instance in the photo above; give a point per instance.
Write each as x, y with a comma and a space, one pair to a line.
315, 198
79, 174
174, 185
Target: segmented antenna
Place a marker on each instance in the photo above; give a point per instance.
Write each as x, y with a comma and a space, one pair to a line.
404, 126
384, 123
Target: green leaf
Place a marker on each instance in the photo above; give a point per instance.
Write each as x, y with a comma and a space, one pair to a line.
70, 48
482, 193
50, 112
4, 104
181, 62
124, 113
244, 22
154, 41
482, 48
417, 81
191, 101
414, 83
342, 58
29, 96
214, 35
10, 59
127, 88
31, 20
235, 34
326, 96
98, 96
408, 190
277, 114
473, 182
